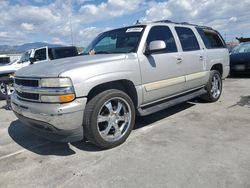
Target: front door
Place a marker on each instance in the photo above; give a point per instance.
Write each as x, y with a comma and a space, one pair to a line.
162, 72
41, 55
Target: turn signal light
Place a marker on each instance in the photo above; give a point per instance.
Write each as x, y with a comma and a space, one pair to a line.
66, 98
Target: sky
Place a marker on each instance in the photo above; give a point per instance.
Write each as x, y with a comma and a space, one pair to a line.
79, 21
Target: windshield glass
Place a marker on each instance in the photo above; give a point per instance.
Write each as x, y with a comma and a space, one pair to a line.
242, 48
12, 62
25, 57
124, 40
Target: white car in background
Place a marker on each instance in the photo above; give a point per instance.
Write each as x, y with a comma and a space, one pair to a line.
29, 57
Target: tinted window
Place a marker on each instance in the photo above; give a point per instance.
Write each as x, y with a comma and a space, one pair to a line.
211, 39
40, 54
187, 39
162, 33
4, 60
242, 48
64, 52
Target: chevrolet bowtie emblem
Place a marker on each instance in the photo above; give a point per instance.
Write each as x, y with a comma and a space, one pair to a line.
19, 88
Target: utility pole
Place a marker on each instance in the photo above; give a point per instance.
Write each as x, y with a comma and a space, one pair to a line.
71, 31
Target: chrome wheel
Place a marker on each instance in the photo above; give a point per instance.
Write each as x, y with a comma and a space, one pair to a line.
114, 119
10, 89
216, 86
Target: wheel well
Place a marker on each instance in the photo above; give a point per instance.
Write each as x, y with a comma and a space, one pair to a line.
4, 75
124, 85
218, 67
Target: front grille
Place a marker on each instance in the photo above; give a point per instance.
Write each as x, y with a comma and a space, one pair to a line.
29, 89
27, 82
29, 96
30, 83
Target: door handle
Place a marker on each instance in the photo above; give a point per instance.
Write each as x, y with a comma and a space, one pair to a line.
201, 58
179, 60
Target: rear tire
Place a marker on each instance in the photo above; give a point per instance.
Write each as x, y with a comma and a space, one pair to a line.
109, 118
213, 87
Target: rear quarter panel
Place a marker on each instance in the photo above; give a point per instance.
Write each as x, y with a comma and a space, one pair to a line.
218, 56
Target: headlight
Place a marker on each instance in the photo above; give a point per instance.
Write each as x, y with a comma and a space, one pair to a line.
55, 82
57, 90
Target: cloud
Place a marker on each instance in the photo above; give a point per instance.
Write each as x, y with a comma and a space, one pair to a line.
55, 21
57, 40
88, 34
17, 36
60, 18
27, 26
226, 16
110, 9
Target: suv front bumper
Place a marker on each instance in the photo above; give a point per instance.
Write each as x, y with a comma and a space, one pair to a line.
57, 122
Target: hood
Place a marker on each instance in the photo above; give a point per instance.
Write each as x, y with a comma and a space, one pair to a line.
240, 58
8, 68
55, 67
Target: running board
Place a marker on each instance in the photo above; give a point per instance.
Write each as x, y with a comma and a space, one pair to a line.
152, 108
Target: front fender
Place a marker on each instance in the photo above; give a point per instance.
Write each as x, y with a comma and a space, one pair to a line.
83, 88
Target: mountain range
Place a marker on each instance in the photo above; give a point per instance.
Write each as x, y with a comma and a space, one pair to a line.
6, 49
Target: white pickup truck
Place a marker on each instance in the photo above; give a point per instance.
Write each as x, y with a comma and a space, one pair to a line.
29, 57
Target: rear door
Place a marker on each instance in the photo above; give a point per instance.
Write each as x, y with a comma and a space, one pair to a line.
193, 58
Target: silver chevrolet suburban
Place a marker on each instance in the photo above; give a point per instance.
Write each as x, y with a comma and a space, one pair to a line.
135, 70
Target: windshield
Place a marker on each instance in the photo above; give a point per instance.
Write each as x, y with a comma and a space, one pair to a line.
25, 57
12, 62
242, 48
124, 40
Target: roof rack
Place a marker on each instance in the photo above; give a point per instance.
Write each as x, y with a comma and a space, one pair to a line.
163, 21
181, 23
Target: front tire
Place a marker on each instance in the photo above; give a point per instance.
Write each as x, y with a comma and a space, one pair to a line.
213, 87
109, 118
10, 88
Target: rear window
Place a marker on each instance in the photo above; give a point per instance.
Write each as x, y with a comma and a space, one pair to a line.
187, 39
58, 53
211, 38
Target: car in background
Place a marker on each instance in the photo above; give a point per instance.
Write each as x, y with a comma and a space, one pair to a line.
4, 59
29, 57
231, 47
240, 59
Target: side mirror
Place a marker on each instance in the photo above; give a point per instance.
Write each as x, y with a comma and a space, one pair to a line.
32, 60
155, 46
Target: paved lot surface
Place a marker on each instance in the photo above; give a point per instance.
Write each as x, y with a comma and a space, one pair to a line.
191, 145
